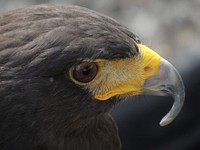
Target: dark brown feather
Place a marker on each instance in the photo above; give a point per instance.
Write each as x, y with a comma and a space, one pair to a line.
40, 108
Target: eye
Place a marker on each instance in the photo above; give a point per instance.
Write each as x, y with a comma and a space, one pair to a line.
85, 72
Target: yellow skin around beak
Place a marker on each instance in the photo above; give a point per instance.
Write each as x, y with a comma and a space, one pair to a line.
124, 77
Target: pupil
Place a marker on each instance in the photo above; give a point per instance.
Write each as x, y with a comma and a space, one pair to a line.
87, 70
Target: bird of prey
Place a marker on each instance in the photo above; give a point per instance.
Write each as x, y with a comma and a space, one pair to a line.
63, 68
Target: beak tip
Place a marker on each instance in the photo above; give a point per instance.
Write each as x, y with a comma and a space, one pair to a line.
165, 121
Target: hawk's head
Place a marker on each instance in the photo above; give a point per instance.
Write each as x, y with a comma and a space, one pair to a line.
63, 63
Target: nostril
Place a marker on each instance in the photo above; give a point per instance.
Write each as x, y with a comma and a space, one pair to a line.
147, 69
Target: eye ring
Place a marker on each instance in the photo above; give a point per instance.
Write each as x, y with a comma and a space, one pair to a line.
84, 72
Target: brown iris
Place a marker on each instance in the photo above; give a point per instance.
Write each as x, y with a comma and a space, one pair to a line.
85, 72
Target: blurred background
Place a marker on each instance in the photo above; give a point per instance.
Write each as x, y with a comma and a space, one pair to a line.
171, 28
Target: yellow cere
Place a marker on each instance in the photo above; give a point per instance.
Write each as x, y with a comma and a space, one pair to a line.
150, 61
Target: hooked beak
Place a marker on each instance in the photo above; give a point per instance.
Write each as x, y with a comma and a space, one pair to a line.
167, 81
